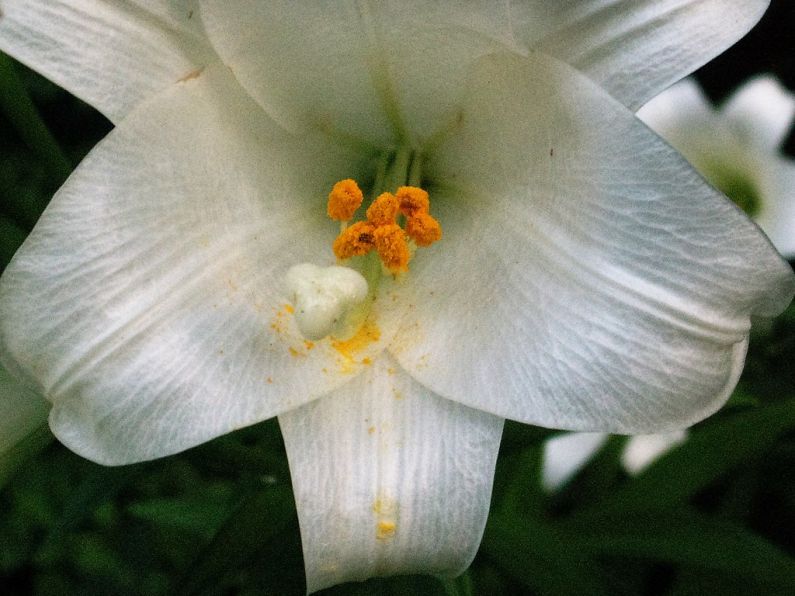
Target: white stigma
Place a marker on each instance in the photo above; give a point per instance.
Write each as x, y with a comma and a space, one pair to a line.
323, 297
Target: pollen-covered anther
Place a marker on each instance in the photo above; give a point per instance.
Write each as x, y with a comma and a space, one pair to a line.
423, 229
355, 241
344, 199
384, 210
412, 200
392, 247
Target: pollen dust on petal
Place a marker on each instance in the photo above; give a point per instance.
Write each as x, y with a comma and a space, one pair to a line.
350, 349
386, 518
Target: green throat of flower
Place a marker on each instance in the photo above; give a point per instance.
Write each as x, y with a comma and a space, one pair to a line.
736, 185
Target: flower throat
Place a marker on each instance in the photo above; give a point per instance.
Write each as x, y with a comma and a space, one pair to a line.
381, 231
336, 301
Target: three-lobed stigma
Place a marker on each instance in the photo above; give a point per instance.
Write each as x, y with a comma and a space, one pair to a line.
381, 231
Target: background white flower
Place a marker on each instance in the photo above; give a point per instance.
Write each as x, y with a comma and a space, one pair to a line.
736, 146
566, 454
588, 277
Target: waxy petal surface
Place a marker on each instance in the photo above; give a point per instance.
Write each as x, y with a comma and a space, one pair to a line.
376, 70
113, 55
635, 48
148, 303
389, 478
588, 278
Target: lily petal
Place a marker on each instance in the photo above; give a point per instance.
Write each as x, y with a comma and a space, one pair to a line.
22, 413
588, 278
375, 70
643, 450
761, 112
389, 478
567, 454
148, 303
777, 214
112, 55
635, 49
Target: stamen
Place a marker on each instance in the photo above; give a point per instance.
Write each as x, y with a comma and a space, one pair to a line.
390, 242
423, 229
381, 231
355, 241
412, 200
384, 210
344, 199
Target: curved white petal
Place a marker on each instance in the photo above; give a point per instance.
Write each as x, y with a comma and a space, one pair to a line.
22, 412
588, 278
635, 48
389, 478
642, 450
777, 214
566, 454
149, 302
377, 70
761, 112
113, 55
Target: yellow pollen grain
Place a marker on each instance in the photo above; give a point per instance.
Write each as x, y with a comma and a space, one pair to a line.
370, 430
412, 200
357, 240
384, 210
295, 353
344, 199
289, 308
385, 529
309, 344
390, 242
367, 334
423, 229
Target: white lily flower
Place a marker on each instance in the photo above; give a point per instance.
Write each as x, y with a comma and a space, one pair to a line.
587, 278
22, 414
737, 146
566, 454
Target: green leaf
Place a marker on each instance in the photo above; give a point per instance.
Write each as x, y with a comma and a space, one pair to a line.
681, 536
200, 514
258, 519
11, 238
25, 118
99, 485
541, 558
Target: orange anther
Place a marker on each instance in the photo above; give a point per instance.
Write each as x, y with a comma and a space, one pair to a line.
384, 210
390, 242
355, 241
423, 229
412, 200
344, 199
